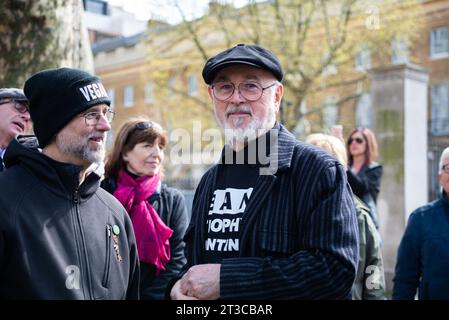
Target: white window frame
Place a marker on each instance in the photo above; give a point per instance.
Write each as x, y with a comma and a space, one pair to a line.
362, 58
439, 37
330, 111
363, 112
96, 7
192, 86
171, 87
149, 92
111, 96
128, 96
439, 101
399, 51
330, 69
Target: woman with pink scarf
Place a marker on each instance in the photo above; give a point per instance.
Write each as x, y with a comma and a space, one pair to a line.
133, 175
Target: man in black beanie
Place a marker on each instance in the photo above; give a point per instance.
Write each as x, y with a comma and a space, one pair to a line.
61, 236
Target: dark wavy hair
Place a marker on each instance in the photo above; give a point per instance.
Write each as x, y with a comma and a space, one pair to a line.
132, 132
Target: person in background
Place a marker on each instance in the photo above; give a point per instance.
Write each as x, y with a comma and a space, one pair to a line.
423, 257
61, 235
134, 176
274, 219
364, 173
14, 117
370, 280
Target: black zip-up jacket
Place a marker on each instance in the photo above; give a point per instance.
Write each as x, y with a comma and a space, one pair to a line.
59, 239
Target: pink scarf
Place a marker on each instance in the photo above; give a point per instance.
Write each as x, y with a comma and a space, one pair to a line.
151, 233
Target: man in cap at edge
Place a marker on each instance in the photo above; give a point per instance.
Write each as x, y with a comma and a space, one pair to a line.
287, 234
61, 235
14, 117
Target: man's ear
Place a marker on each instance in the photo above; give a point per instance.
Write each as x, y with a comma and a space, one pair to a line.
209, 90
278, 96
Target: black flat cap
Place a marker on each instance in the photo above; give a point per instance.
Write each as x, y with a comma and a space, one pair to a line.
12, 93
251, 55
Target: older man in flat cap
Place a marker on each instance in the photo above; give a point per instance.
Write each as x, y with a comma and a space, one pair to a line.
14, 117
275, 218
61, 235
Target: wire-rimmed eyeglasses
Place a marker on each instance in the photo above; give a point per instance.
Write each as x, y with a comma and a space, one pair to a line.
20, 106
250, 90
93, 117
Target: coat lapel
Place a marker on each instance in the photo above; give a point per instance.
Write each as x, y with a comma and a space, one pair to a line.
282, 155
260, 193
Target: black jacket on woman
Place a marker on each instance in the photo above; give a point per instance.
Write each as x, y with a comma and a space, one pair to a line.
366, 186
169, 203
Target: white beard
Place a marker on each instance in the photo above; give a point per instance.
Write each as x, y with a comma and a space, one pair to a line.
254, 129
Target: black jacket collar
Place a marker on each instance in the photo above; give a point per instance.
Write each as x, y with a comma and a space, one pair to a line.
61, 178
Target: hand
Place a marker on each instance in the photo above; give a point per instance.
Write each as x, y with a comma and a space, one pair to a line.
337, 131
176, 294
202, 281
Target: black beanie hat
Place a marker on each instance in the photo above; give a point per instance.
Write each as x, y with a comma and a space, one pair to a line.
57, 95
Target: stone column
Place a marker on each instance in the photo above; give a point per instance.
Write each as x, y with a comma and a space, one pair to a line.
399, 106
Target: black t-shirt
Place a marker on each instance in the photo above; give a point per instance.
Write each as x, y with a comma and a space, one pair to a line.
235, 183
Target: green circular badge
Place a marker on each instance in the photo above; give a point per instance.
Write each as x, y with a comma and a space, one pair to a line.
116, 229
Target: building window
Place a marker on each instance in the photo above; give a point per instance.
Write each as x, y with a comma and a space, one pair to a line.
109, 139
439, 42
330, 112
149, 96
439, 96
192, 86
399, 51
111, 95
303, 106
96, 6
128, 96
330, 69
171, 87
363, 58
363, 111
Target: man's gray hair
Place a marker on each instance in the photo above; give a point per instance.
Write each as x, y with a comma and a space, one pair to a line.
277, 84
444, 155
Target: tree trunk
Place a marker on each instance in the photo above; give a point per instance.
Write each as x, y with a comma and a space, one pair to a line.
37, 35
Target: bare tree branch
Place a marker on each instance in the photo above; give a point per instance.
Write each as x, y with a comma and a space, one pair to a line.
192, 32
253, 9
222, 14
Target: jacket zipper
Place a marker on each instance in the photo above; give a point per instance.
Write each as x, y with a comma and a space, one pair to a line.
83, 255
108, 256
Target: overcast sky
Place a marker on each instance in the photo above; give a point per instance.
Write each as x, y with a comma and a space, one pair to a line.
145, 9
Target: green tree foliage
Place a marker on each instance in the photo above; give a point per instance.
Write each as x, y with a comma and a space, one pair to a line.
316, 40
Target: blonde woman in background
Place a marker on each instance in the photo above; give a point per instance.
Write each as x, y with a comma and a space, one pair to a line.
370, 281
